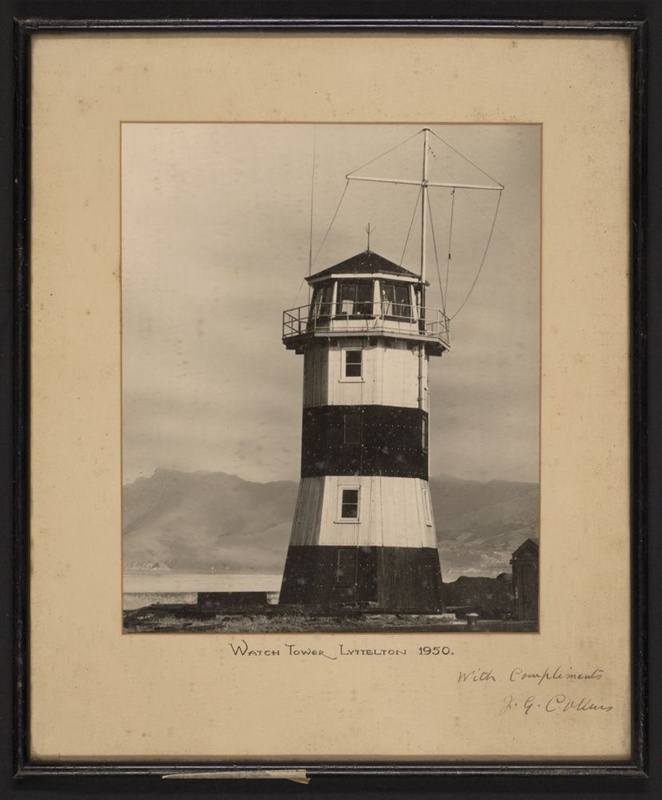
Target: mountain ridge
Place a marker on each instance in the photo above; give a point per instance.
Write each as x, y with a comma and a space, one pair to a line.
202, 520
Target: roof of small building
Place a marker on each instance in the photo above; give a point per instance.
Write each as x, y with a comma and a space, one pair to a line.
365, 262
528, 546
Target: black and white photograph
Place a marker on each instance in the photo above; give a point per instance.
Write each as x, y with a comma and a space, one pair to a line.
330, 377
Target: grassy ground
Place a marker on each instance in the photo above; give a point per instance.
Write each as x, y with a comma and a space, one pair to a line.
176, 619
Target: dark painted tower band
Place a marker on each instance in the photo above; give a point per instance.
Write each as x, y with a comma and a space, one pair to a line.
363, 530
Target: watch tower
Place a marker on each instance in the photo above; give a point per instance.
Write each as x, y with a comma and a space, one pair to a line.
363, 530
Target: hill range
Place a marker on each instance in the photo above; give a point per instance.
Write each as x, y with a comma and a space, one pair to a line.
204, 520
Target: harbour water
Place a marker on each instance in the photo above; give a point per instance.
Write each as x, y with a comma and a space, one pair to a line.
143, 587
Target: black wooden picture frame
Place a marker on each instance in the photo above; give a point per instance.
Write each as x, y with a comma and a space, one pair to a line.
641, 22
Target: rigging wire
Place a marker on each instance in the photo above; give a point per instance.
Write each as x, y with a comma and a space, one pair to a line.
411, 225
342, 197
468, 160
333, 219
436, 257
450, 240
372, 160
482, 262
444, 294
303, 280
527, 256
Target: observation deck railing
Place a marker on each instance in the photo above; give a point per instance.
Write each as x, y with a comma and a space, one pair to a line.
403, 321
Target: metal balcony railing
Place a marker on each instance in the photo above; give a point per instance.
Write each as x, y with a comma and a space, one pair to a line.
365, 317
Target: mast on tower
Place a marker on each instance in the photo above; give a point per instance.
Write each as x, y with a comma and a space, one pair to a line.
425, 185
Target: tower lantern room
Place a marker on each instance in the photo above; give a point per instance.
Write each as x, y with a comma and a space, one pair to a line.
363, 531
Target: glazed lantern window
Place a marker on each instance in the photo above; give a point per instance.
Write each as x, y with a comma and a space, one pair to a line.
323, 301
396, 301
355, 299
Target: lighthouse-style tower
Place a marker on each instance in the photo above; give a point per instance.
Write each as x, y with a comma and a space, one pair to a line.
363, 530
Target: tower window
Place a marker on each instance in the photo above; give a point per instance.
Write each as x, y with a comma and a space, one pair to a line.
349, 504
355, 299
353, 364
322, 302
396, 301
424, 434
352, 428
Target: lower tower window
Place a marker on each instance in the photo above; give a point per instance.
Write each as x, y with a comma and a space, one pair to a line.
349, 505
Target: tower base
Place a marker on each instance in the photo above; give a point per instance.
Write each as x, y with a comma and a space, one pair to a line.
402, 579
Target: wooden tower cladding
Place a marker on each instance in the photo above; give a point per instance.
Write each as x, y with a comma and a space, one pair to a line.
363, 530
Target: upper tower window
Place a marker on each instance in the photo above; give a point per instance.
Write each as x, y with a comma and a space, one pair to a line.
396, 301
355, 299
323, 302
352, 364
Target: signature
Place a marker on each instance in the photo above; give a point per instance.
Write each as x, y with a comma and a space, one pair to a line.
554, 704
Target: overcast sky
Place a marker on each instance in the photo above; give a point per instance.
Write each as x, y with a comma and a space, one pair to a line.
215, 245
